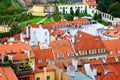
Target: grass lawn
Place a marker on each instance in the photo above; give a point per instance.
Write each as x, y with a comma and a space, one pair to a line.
47, 20
33, 21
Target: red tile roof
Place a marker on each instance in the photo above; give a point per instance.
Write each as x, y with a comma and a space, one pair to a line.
113, 32
91, 2
79, 21
58, 33
17, 37
88, 42
34, 25
45, 54
16, 50
3, 39
6, 73
62, 47
113, 47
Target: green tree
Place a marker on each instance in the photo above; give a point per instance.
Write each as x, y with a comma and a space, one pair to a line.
71, 11
68, 17
95, 16
114, 9
77, 12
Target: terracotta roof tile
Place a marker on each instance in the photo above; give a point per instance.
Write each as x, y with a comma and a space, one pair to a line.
88, 42
62, 47
34, 25
113, 47
6, 73
44, 55
17, 37
91, 2
52, 25
15, 49
58, 33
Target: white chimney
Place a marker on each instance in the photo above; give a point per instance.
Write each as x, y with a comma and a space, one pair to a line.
10, 57
104, 60
94, 71
116, 59
75, 63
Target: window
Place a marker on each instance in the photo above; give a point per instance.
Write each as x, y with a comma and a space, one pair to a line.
110, 52
82, 52
92, 51
92, 11
41, 52
38, 78
40, 61
70, 55
47, 60
60, 56
101, 50
77, 40
118, 51
48, 77
45, 33
45, 40
66, 7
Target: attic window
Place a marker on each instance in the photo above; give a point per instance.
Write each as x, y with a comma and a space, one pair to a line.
96, 39
77, 40
60, 56
118, 51
70, 55
110, 52
40, 61
41, 52
47, 60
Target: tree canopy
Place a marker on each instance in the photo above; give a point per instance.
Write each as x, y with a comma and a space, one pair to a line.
109, 6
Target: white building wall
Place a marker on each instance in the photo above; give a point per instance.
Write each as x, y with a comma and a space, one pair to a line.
95, 56
75, 7
91, 10
39, 35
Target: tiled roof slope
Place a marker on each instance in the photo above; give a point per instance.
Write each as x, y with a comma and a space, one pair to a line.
62, 47
79, 21
44, 55
91, 2
113, 47
17, 50
6, 73
85, 41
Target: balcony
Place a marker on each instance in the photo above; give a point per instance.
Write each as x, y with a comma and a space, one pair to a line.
25, 71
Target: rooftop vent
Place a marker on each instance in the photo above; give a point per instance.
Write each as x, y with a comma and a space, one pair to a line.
116, 59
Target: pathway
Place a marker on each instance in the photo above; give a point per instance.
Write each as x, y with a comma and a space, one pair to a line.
41, 21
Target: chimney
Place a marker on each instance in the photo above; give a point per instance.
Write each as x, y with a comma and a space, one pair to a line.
104, 60
116, 59
10, 57
94, 71
75, 63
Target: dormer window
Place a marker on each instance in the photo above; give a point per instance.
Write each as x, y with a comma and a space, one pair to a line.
111, 52
41, 52
40, 61
47, 59
118, 51
60, 56
77, 40
70, 55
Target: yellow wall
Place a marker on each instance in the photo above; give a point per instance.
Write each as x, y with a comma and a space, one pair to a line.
52, 38
32, 61
4, 29
41, 75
